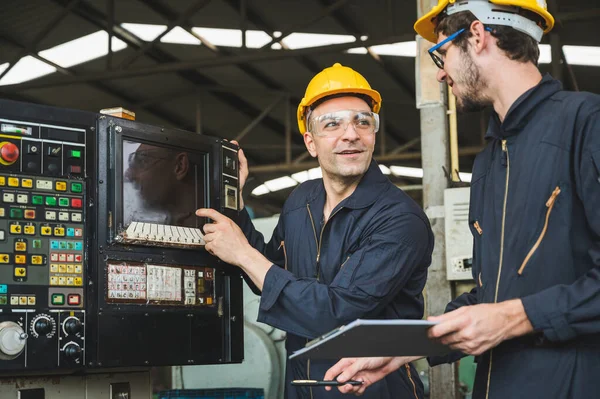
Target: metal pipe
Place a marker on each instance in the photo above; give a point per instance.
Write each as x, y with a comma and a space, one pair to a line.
453, 128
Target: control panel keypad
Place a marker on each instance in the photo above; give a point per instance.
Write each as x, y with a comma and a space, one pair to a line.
41, 239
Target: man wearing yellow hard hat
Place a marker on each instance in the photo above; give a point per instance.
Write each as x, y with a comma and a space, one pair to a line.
533, 319
350, 245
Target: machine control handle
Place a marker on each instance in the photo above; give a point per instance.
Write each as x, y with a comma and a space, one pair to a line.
43, 326
72, 325
12, 340
72, 350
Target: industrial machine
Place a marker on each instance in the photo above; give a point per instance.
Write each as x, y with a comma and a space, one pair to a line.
102, 264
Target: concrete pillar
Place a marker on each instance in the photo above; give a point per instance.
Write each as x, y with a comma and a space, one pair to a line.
431, 100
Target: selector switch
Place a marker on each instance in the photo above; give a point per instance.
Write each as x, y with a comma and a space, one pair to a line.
72, 325
72, 350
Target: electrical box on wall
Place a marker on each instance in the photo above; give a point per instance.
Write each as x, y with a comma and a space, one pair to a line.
459, 241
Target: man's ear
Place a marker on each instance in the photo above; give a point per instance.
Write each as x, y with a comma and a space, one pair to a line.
182, 165
479, 39
309, 142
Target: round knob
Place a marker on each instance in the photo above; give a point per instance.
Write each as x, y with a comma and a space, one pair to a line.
72, 350
9, 153
43, 326
12, 340
72, 325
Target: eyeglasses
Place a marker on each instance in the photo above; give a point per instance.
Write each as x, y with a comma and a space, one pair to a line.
335, 124
439, 62
143, 159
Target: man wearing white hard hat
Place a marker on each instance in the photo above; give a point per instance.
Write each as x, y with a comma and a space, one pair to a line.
533, 319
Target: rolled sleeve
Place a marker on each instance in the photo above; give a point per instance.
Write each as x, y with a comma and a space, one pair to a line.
275, 281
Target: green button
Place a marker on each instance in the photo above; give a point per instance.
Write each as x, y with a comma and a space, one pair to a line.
37, 200
50, 201
3, 300
37, 243
76, 187
75, 154
16, 213
63, 201
58, 299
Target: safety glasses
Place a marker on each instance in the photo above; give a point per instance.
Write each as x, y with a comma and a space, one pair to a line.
439, 61
335, 124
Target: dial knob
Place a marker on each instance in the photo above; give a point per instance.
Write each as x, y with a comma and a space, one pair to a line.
12, 340
9, 153
72, 350
43, 325
72, 325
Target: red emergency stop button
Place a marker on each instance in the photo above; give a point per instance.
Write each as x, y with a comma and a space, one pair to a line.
74, 299
9, 153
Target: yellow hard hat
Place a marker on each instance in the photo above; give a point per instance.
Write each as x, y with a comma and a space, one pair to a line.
425, 26
336, 79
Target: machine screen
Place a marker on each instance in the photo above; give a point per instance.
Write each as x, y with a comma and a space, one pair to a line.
162, 189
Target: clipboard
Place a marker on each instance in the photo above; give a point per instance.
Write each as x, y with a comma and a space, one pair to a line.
377, 338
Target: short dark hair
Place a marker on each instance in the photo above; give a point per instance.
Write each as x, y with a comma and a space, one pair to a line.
517, 45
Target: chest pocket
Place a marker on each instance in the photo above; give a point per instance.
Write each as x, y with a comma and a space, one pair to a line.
477, 227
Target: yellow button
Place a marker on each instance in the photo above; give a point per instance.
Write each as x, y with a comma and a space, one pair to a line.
46, 231
27, 183
209, 301
69, 280
15, 229
2, 212
20, 272
78, 281
78, 269
31, 300
22, 300
20, 259
59, 231
20, 246
13, 181
62, 268
53, 280
61, 186
70, 269
30, 230
62, 281
4, 258
2, 181
54, 268
36, 259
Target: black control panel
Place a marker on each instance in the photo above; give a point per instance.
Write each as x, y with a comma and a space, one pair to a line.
102, 259
42, 245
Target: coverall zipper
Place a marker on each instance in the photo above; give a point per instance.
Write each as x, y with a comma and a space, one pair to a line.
549, 205
411, 380
505, 150
318, 241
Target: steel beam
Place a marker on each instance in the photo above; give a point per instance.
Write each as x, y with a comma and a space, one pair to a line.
576, 16
32, 47
406, 156
204, 63
194, 8
295, 28
257, 120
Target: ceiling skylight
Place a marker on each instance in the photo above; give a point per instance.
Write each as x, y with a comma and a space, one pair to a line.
146, 32
304, 40
260, 190
401, 49
81, 50
233, 37
178, 35
3, 67
280, 183
27, 68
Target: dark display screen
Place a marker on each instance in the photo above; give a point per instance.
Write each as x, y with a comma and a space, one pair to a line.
162, 185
